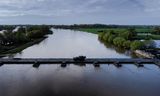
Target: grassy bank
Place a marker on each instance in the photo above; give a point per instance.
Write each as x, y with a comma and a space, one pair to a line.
19, 48
127, 38
120, 30
96, 30
153, 37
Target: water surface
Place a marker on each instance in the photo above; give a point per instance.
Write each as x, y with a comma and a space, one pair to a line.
53, 80
68, 43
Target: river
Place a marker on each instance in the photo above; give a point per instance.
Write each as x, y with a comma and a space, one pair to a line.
53, 80
67, 43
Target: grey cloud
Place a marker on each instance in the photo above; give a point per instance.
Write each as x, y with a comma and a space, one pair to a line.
68, 10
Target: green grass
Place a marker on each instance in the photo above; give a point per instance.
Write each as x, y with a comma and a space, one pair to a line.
91, 30
95, 30
155, 37
139, 30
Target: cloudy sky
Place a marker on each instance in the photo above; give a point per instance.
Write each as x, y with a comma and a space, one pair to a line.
79, 11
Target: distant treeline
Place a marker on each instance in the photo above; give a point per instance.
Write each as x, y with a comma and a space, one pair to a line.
77, 26
7, 27
126, 39
12, 27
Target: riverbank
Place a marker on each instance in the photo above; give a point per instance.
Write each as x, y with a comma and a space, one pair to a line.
123, 38
141, 53
19, 48
142, 33
12, 41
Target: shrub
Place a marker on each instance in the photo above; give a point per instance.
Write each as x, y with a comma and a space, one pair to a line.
129, 34
135, 45
111, 38
20, 37
35, 34
127, 44
156, 31
118, 41
132, 33
100, 35
125, 35
107, 36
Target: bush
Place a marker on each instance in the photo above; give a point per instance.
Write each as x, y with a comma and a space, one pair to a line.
129, 34
21, 30
107, 36
35, 34
100, 35
118, 41
132, 32
111, 38
127, 44
156, 31
20, 37
135, 45
125, 35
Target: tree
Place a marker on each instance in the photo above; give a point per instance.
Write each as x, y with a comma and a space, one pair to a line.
156, 31
108, 36
9, 38
111, 38
2, 39
105, 37
22, 30
118, 41
128, 35
20, 37
34, 34
127, 44
135, 45
100, 35
132, 33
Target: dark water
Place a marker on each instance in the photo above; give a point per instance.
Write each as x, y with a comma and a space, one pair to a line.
53, 80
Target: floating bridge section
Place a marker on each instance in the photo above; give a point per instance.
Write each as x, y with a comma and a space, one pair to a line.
96, 61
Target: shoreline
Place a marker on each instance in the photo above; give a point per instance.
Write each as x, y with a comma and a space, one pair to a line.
22, 47
142, 53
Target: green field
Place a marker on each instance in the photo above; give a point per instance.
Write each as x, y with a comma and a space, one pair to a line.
138, 30
154, 37
95, 30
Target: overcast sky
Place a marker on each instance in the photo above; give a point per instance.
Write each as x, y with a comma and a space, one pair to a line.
79, 11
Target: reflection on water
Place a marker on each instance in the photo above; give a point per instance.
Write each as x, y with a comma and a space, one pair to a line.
157, 43
53, 80
76, 80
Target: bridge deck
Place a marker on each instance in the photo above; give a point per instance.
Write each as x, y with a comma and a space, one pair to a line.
71, 61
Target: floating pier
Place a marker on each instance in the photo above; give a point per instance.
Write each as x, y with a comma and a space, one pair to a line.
139, 64
117, 64
115, 61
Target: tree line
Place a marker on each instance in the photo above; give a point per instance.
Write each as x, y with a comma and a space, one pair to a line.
23, 35
126, 39
77, 26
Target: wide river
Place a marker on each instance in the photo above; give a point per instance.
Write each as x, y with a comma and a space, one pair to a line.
53, 80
